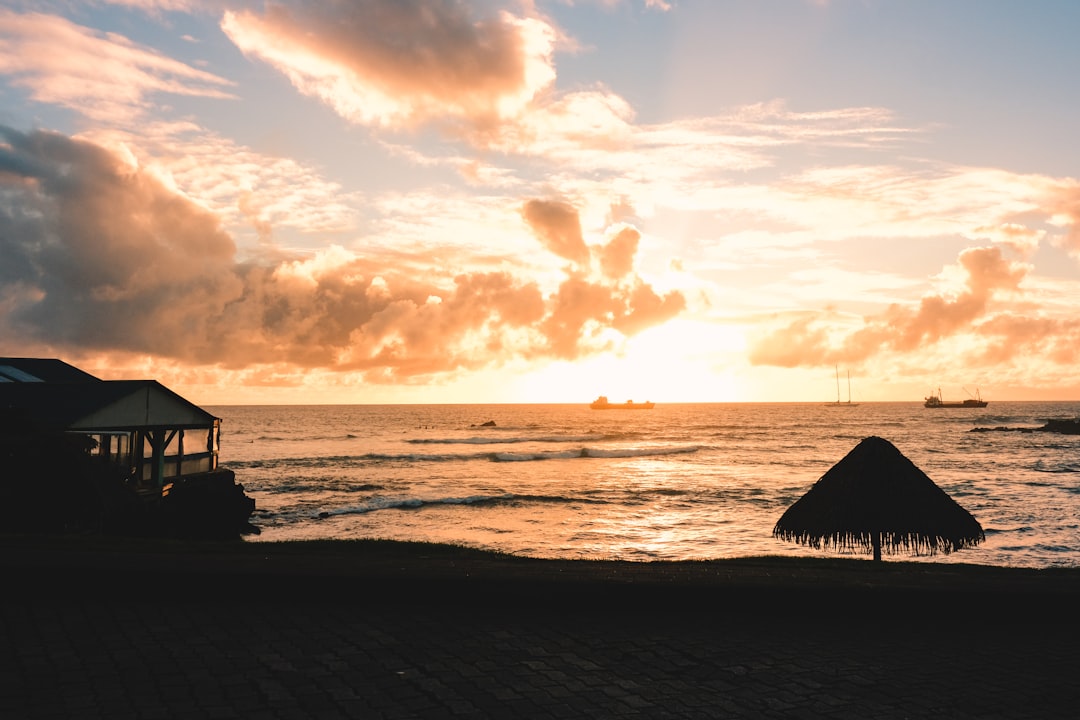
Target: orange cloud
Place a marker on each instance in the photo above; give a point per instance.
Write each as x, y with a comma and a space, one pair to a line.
585, 310
643, 308
1010, 336
809, 341
115, 259
389, 63
100, 256
557, 225
617, 256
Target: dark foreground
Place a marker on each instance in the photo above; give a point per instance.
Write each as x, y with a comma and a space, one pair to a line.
386, 630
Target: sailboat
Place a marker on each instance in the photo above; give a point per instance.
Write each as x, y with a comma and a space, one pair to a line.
838, 403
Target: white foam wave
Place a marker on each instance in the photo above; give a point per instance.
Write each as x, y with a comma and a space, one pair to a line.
589, 452
506, 440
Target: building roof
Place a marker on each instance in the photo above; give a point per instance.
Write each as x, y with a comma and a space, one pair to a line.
49, 370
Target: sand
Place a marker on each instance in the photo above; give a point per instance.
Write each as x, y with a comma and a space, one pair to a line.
91, 627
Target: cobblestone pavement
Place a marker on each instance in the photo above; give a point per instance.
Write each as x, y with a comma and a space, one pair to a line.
139, 657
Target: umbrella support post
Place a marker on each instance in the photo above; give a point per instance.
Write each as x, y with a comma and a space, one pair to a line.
876, 494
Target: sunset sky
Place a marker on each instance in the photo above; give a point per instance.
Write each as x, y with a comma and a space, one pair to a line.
400, 201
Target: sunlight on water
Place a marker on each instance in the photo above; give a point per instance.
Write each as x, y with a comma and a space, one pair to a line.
677, 482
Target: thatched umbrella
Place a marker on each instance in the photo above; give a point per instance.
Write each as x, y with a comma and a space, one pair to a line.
876, 497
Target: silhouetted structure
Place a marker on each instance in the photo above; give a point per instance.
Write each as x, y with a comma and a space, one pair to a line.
142, 435
935, 401
877, 498
1066, 426
602, 403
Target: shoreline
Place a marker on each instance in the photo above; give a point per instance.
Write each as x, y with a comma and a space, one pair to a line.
436, 575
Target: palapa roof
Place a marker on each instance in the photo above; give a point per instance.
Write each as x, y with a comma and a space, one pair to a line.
47, 370
876, 492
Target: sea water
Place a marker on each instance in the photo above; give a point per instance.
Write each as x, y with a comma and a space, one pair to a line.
681, 481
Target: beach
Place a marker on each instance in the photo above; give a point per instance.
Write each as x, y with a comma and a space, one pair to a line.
108, 628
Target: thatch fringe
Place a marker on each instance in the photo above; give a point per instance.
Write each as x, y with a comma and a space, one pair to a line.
875, 492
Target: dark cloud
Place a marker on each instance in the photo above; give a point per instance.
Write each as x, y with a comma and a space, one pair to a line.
643, 308
1011, 336
1066, 204
557, 225
617, 257
118, 260
97, 256
583, 309
425, 59
801, 342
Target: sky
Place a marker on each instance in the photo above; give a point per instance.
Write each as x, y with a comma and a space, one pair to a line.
504, 201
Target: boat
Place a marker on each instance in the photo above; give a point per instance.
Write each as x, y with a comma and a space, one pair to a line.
838, 403
935, 401
601, 403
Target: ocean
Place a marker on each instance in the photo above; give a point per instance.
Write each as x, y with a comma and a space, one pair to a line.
681, 481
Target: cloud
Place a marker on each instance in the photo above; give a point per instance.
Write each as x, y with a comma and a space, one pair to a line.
103, 76
392, 63
557, 225
817, 339
584, 312
245, 188
1065, 205
157, 5
100, 255
1011, 336
586, 309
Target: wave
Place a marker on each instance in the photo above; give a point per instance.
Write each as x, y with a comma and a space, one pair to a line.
343, 461
507, 440
597, 453
1044, 467
411, 503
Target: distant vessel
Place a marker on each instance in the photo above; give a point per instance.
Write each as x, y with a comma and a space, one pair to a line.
935, 401
601, 403
838, 403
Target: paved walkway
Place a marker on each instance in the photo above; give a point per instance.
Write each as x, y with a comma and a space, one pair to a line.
143, 657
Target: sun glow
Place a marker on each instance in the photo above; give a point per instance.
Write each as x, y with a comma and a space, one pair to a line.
674, 362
